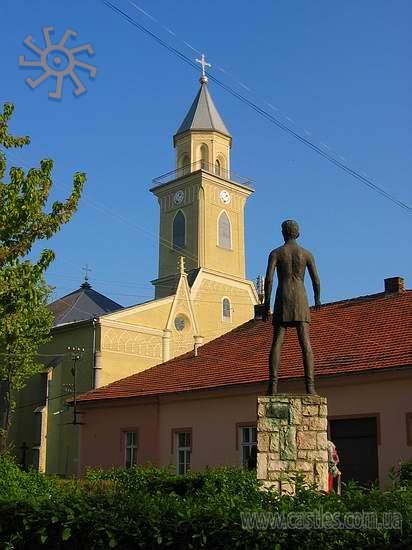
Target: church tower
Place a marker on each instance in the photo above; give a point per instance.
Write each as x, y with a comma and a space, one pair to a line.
201, 202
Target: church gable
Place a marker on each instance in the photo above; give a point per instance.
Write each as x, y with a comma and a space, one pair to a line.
221, 303
182, 322
153, 314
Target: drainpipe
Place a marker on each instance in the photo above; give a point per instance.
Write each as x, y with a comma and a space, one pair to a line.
97, 358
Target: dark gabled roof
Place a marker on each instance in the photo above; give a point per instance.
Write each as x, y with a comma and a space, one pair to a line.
80, 305
352, 336
203, 114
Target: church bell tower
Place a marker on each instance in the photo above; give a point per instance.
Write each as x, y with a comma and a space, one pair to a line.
202, 201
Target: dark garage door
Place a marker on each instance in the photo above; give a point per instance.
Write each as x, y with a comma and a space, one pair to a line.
356, 440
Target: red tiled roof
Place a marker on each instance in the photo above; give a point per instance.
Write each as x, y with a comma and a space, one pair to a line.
371, 332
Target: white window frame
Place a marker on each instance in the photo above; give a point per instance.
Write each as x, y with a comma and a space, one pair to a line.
130, 448
184, 466
246, 442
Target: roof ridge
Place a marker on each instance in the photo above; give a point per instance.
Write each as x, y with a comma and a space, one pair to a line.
366, 297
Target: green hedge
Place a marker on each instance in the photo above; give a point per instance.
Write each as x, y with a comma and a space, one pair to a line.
154, 508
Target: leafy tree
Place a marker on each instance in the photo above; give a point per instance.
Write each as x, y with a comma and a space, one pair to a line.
25, 321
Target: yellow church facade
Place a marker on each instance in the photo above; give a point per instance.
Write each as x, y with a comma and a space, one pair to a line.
201, 292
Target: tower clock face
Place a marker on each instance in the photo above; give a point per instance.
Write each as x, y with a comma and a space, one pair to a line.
178, 197
225, 197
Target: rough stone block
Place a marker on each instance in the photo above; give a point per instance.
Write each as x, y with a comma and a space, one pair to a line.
263, 441
306, 440
310, 410
318, 423
287, 443
295, 412
277, 465
261, 410
268, 424
304, 466
318, 455
273, 456
322, 441
277, 410
321, 475
274, 442
323, 410
262, 466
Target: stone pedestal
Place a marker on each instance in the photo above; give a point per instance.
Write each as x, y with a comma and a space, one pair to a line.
291, 441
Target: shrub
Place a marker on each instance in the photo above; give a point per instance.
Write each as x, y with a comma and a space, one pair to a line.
405, 472
155, 508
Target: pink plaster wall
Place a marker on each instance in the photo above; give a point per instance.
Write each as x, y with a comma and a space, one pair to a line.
101, 437
213, 417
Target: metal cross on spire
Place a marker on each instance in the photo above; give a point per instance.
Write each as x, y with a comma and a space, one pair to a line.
203, 64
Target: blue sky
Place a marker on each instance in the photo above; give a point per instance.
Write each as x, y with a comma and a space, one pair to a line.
338, 70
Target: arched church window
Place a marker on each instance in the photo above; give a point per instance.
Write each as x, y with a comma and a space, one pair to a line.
179, 230
204, 156
226, 309
218, 168
224, 230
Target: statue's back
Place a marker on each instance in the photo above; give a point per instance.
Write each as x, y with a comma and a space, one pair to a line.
291, 303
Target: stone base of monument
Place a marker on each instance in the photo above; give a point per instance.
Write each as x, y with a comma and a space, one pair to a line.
292, 441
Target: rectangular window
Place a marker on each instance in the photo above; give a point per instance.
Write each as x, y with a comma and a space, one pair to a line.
247, 439
183, 451
130, 449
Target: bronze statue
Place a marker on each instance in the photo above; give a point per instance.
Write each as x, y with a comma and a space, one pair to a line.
291, 304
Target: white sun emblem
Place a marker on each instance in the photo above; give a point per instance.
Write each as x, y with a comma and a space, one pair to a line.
58, 61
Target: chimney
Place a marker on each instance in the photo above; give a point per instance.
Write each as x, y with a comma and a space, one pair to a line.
259, 310
394, 285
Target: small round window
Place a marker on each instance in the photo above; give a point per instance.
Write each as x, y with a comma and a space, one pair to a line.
180, 323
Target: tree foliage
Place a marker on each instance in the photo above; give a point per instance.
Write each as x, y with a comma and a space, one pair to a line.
25, 321
23, 220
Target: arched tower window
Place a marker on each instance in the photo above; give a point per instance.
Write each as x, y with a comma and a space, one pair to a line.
226, 309
224, 231
184, 160
179, 230
204, 156
184, 164
218, 168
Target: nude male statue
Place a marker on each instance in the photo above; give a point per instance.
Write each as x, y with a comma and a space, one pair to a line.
291, 304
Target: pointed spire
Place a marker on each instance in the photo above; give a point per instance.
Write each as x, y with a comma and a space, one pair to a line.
203, 114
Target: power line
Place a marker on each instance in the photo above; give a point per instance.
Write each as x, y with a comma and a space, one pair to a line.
233, 77
359, 177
